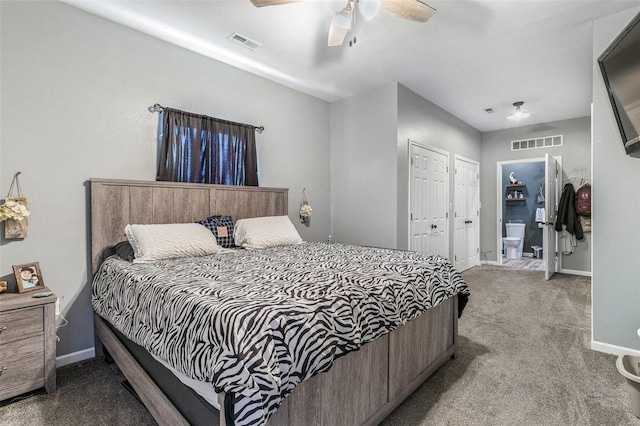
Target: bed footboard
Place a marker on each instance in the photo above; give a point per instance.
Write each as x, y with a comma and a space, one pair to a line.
364, 387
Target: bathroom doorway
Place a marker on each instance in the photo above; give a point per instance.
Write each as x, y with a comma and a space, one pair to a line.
527, 200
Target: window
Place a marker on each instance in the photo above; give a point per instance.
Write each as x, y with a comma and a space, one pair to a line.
201, 149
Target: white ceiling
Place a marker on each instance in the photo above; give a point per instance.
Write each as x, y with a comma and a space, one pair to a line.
472, 54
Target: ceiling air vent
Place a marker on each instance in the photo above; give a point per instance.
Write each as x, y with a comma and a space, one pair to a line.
245, 41
489, 110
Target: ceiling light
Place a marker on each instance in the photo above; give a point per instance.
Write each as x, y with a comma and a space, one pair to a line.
342, 20
369, 8
336, 6
518, 113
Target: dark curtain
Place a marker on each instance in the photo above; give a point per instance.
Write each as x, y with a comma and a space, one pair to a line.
201, 149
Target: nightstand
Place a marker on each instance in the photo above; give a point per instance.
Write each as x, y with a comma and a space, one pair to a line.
27, 343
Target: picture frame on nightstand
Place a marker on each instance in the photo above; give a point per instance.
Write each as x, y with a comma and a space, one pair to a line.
28, 277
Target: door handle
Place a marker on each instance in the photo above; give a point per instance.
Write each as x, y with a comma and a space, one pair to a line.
434, 226
468, 221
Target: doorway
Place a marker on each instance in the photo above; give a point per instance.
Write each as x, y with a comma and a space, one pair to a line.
527, 198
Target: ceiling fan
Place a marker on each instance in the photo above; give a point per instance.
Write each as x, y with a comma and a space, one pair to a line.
344, 13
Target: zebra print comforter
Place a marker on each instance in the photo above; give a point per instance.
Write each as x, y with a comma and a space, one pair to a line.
257, 323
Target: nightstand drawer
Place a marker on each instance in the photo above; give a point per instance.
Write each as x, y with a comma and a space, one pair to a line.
21, 366
19, 323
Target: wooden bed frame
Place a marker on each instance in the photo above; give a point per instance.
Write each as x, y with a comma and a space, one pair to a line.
361, 388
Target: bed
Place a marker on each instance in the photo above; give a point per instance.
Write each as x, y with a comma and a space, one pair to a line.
364, 383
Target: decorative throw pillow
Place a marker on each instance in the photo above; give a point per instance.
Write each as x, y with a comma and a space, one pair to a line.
222, 228
268, 231
125, 251
169, 241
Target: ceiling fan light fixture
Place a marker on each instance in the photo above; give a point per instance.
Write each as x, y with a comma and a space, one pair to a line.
369, 8
336, 6
519, 113
342, 20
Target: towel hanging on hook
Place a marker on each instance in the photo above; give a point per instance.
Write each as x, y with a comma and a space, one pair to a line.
541, 194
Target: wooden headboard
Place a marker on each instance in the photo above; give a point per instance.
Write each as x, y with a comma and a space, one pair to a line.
116, 203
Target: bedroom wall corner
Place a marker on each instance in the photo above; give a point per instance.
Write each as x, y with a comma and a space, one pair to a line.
424, 122
75, 93
363, 168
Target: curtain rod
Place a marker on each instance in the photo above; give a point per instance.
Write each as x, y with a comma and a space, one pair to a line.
160, 108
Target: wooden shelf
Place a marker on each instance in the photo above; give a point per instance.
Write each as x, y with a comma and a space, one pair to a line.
515, 199
516, 185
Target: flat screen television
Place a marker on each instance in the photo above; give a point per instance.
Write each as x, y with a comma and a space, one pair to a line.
620, 66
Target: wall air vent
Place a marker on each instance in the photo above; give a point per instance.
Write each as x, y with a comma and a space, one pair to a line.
489, 110
244, 41
544, 142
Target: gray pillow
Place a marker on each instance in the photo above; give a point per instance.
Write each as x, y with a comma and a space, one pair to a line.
124, 250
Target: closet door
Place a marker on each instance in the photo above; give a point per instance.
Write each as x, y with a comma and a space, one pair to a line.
466, 209
428, 201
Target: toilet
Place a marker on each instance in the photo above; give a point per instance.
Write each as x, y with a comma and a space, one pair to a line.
514, 241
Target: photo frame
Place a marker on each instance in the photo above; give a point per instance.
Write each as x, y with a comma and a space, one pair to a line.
28, 277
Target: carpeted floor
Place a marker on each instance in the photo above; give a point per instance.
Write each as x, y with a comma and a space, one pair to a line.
524, 359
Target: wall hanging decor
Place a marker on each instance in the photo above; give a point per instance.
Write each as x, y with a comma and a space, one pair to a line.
14, 212
305, 209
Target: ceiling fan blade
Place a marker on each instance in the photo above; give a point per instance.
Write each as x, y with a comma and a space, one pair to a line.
336, 35
260, 3
414, 10
340, 26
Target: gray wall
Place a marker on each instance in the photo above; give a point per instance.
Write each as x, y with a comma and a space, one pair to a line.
363, 168
422, 121
531, 175
496, 146
616, 203
75, 93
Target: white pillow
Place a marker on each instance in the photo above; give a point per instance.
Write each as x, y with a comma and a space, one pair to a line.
156, 242
263, 232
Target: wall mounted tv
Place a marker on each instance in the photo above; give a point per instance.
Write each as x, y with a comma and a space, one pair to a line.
620, 66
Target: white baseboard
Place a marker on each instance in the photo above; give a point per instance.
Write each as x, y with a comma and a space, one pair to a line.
575, 272
490, 262
613, 349
71, 358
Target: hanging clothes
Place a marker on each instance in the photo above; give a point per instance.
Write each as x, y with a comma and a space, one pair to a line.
567, 213
567, 242
540, 214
